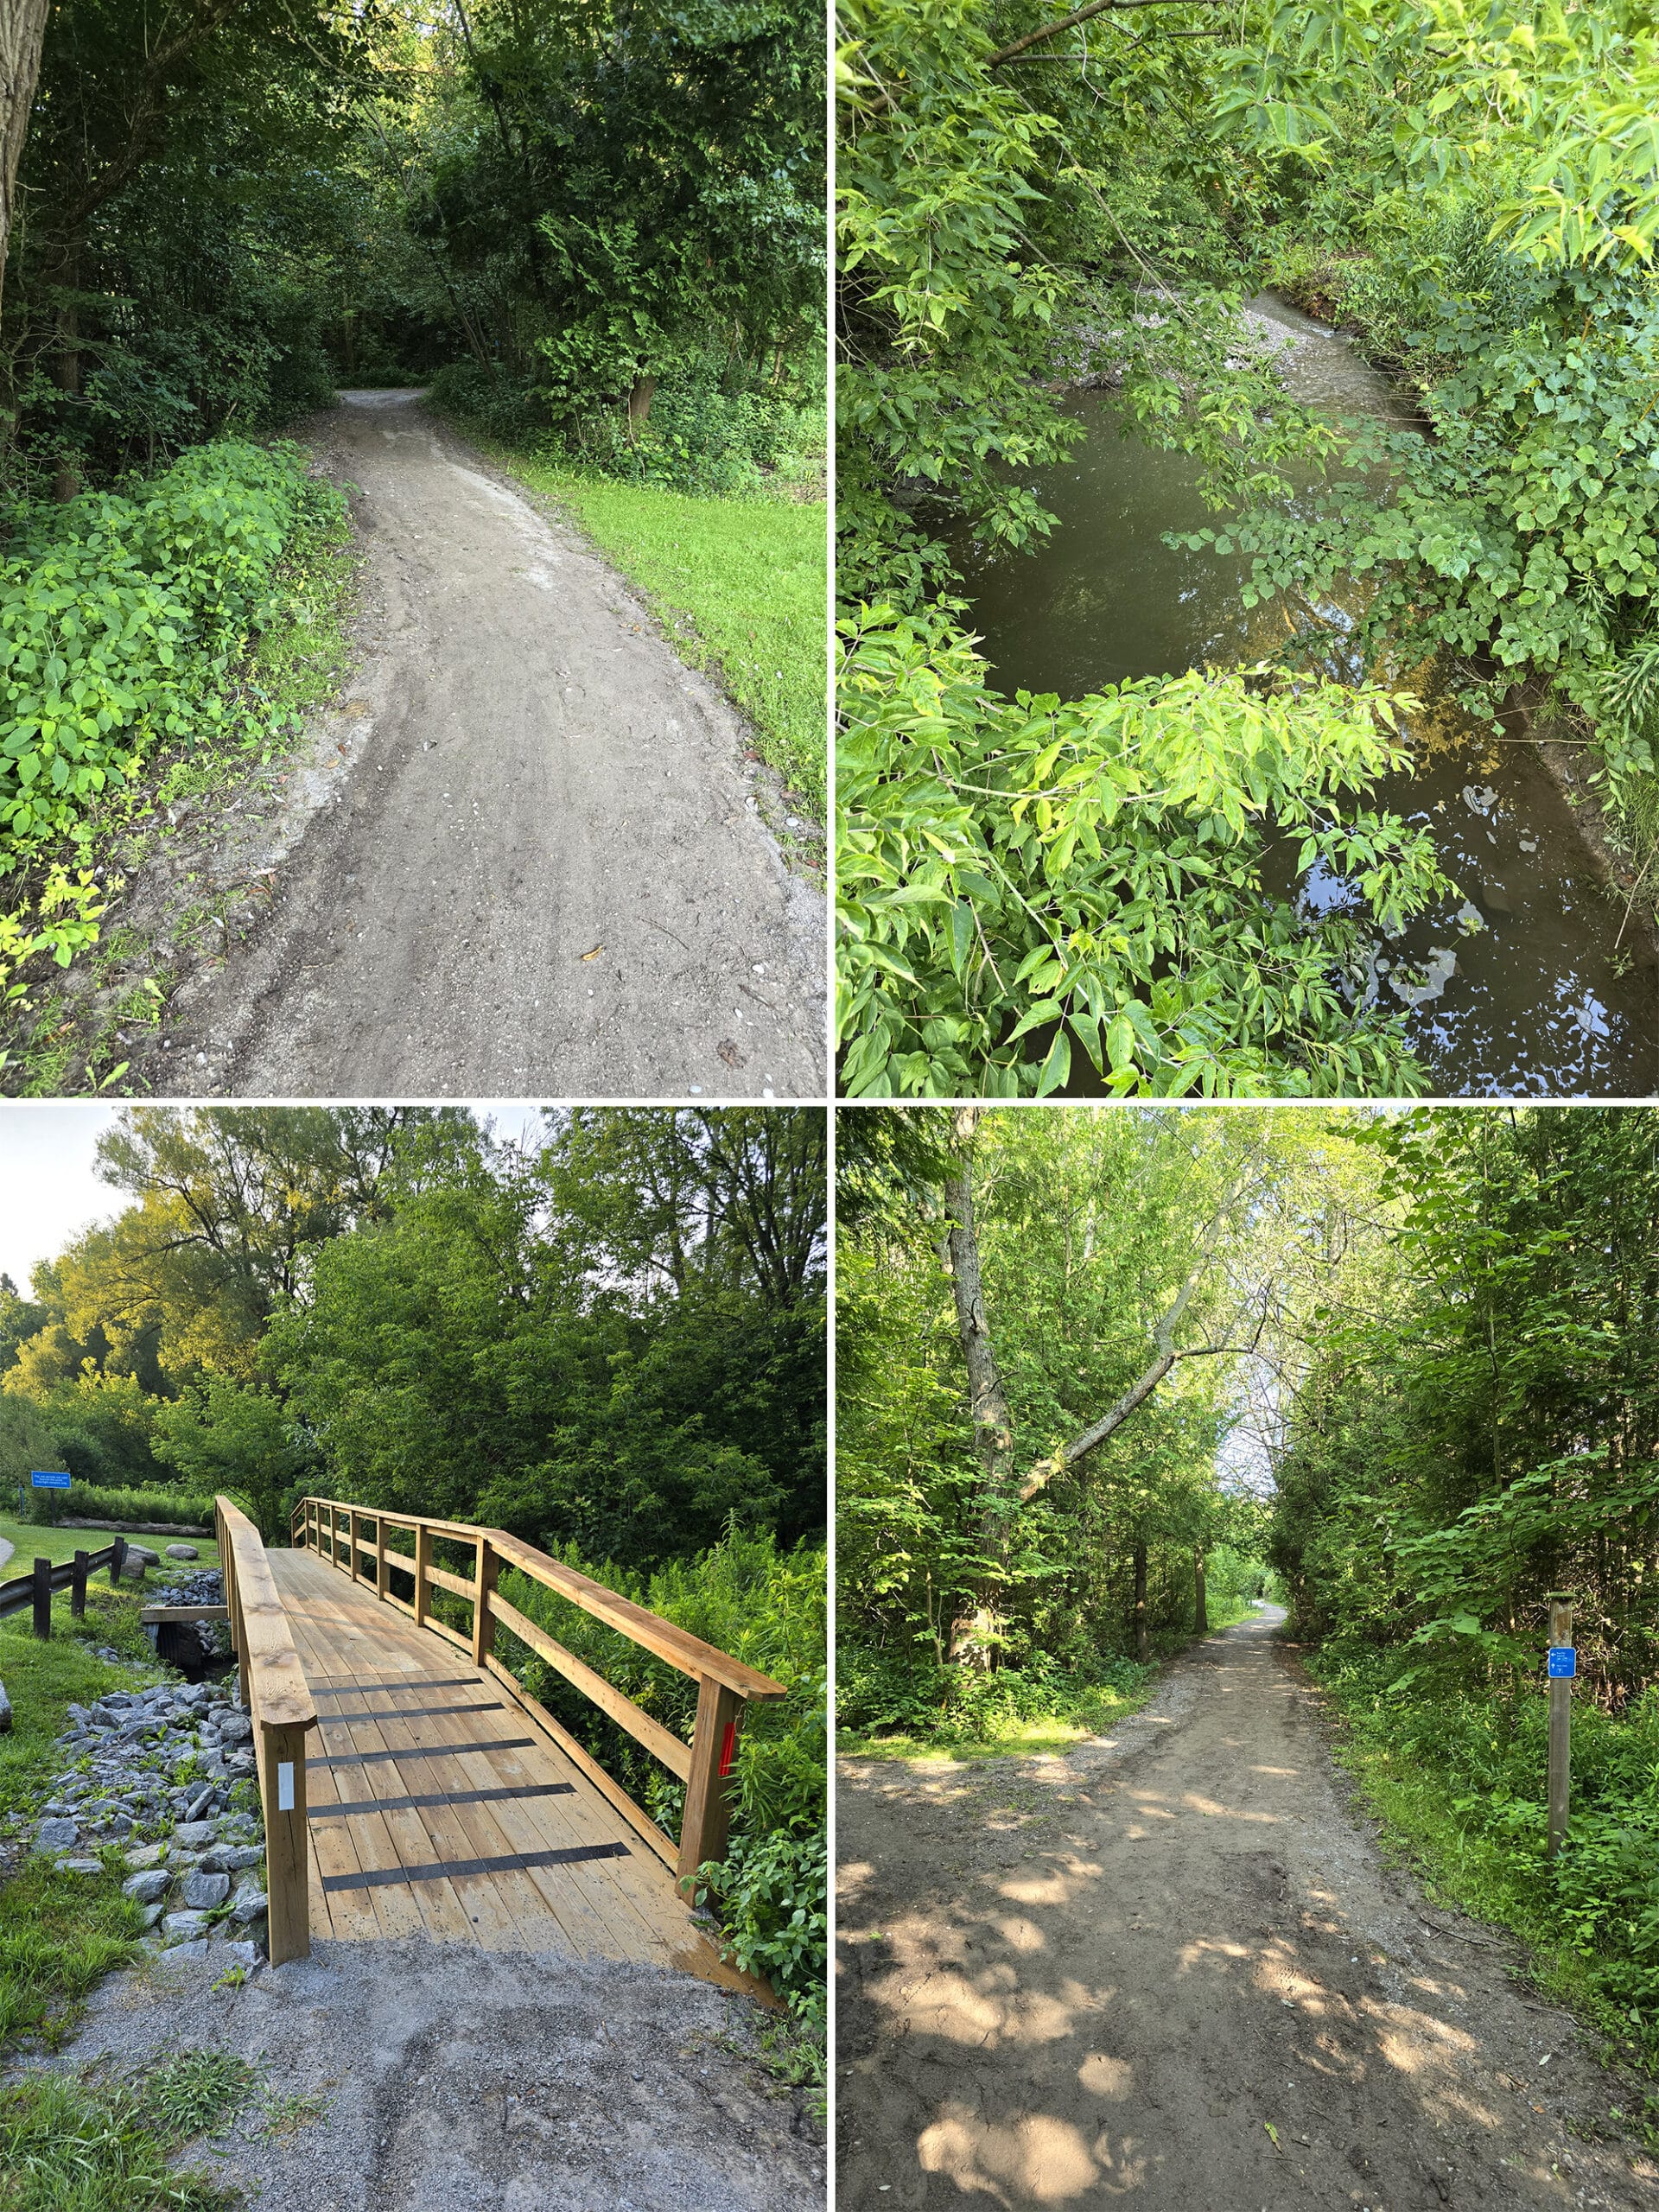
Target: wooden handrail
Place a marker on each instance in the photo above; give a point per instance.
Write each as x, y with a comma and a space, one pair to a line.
279, 1704
725, 1685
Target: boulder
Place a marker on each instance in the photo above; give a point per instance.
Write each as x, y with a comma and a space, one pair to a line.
250, 1903
182, 1551
202, 1892
142, 1554
145, 1888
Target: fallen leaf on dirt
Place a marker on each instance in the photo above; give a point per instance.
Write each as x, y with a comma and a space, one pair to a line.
729, 1052
1272, 2133
595, 954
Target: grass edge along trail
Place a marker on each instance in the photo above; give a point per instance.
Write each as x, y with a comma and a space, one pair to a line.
1463, 1869
1096, 1706
748, 594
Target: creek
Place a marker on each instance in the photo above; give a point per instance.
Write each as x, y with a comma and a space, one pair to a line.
1544, 998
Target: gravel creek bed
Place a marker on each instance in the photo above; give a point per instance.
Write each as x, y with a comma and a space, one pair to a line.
169, 1773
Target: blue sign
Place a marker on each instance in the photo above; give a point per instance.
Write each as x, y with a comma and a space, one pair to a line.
1563, 1663
49, 1482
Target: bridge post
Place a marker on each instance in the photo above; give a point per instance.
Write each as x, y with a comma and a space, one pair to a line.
483, 1590
351, 1541
707, 1816
382, 1572
287, 1868
422, 1563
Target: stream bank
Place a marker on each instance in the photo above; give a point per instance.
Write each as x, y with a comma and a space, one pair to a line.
1541, 982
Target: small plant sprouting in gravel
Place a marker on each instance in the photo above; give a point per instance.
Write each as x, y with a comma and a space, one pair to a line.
194, 2093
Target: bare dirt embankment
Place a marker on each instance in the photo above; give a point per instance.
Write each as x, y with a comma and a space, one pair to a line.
524, 856
1173, 1968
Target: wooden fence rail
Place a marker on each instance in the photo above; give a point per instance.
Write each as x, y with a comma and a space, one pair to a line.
279, 1703
338, 1533
44, 1581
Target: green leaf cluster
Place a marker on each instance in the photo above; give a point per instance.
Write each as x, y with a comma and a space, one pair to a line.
1024, 880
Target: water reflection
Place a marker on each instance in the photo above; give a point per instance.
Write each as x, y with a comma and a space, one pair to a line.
1523, 989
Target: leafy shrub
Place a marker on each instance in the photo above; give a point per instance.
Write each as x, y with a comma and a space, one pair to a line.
87, 1502
1024, 873
121, 616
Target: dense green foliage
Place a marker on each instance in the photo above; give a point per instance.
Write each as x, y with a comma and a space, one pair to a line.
1086, 1221
1112, 897
1475, 1427
1476, 190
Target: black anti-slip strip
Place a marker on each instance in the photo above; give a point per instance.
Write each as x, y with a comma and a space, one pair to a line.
515, 1863
443, 1797
415, 1713
403, 1683
424, 1752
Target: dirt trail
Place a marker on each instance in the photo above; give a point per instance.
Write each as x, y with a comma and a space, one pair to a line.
1067, 1981
533, 863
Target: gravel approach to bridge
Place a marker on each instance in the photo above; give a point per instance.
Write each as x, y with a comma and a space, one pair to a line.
1172, 1970
526, 857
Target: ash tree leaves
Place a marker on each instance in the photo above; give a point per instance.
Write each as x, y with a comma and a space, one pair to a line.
1033, 889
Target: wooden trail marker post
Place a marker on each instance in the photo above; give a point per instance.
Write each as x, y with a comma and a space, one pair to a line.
1562, 1664
43, 1598
78, 1587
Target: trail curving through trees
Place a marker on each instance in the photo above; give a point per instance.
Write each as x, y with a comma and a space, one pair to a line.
536, 866
1172, 1969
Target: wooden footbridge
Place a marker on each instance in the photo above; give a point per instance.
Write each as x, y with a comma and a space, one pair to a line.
412, 1786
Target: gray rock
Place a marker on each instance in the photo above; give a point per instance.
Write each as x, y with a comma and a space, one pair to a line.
235, 1728
142, 1554
180, 1927
198, 1803
5, 1712
239, 1954
144, 1889
182, 1551
190, 1949
190, 1835
56, 1835
250, 1903
152, 1914
79, 1866
145, 1855
232, 1858
203, 1891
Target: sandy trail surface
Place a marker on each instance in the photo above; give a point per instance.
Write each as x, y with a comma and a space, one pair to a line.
533, 863
1072, 1981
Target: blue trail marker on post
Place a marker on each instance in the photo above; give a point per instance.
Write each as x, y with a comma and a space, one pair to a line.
1563, 1666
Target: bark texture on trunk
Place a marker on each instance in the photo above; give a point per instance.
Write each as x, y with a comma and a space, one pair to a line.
640, 399
22, 30
1200, 1607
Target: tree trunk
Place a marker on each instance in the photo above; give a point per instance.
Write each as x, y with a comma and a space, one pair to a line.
23, 28
1200, 1610
640, 401
1141, 1603
987, 1402
65, 374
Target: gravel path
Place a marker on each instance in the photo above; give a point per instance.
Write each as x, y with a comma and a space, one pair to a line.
427, 2077
1173, 1968
527, 859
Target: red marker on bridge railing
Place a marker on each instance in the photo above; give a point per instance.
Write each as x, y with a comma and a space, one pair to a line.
728, 1749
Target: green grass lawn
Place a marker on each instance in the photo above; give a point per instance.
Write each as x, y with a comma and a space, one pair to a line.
739, 584
33, 1539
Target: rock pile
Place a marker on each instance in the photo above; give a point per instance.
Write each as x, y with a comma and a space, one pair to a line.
206, 1588
167, 1772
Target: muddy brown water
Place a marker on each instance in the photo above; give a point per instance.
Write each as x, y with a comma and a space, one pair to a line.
1543, 999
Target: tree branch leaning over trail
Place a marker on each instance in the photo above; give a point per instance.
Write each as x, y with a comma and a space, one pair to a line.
23, 32
988, 1400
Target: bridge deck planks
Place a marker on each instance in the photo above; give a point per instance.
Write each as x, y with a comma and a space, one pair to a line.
624, 1907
